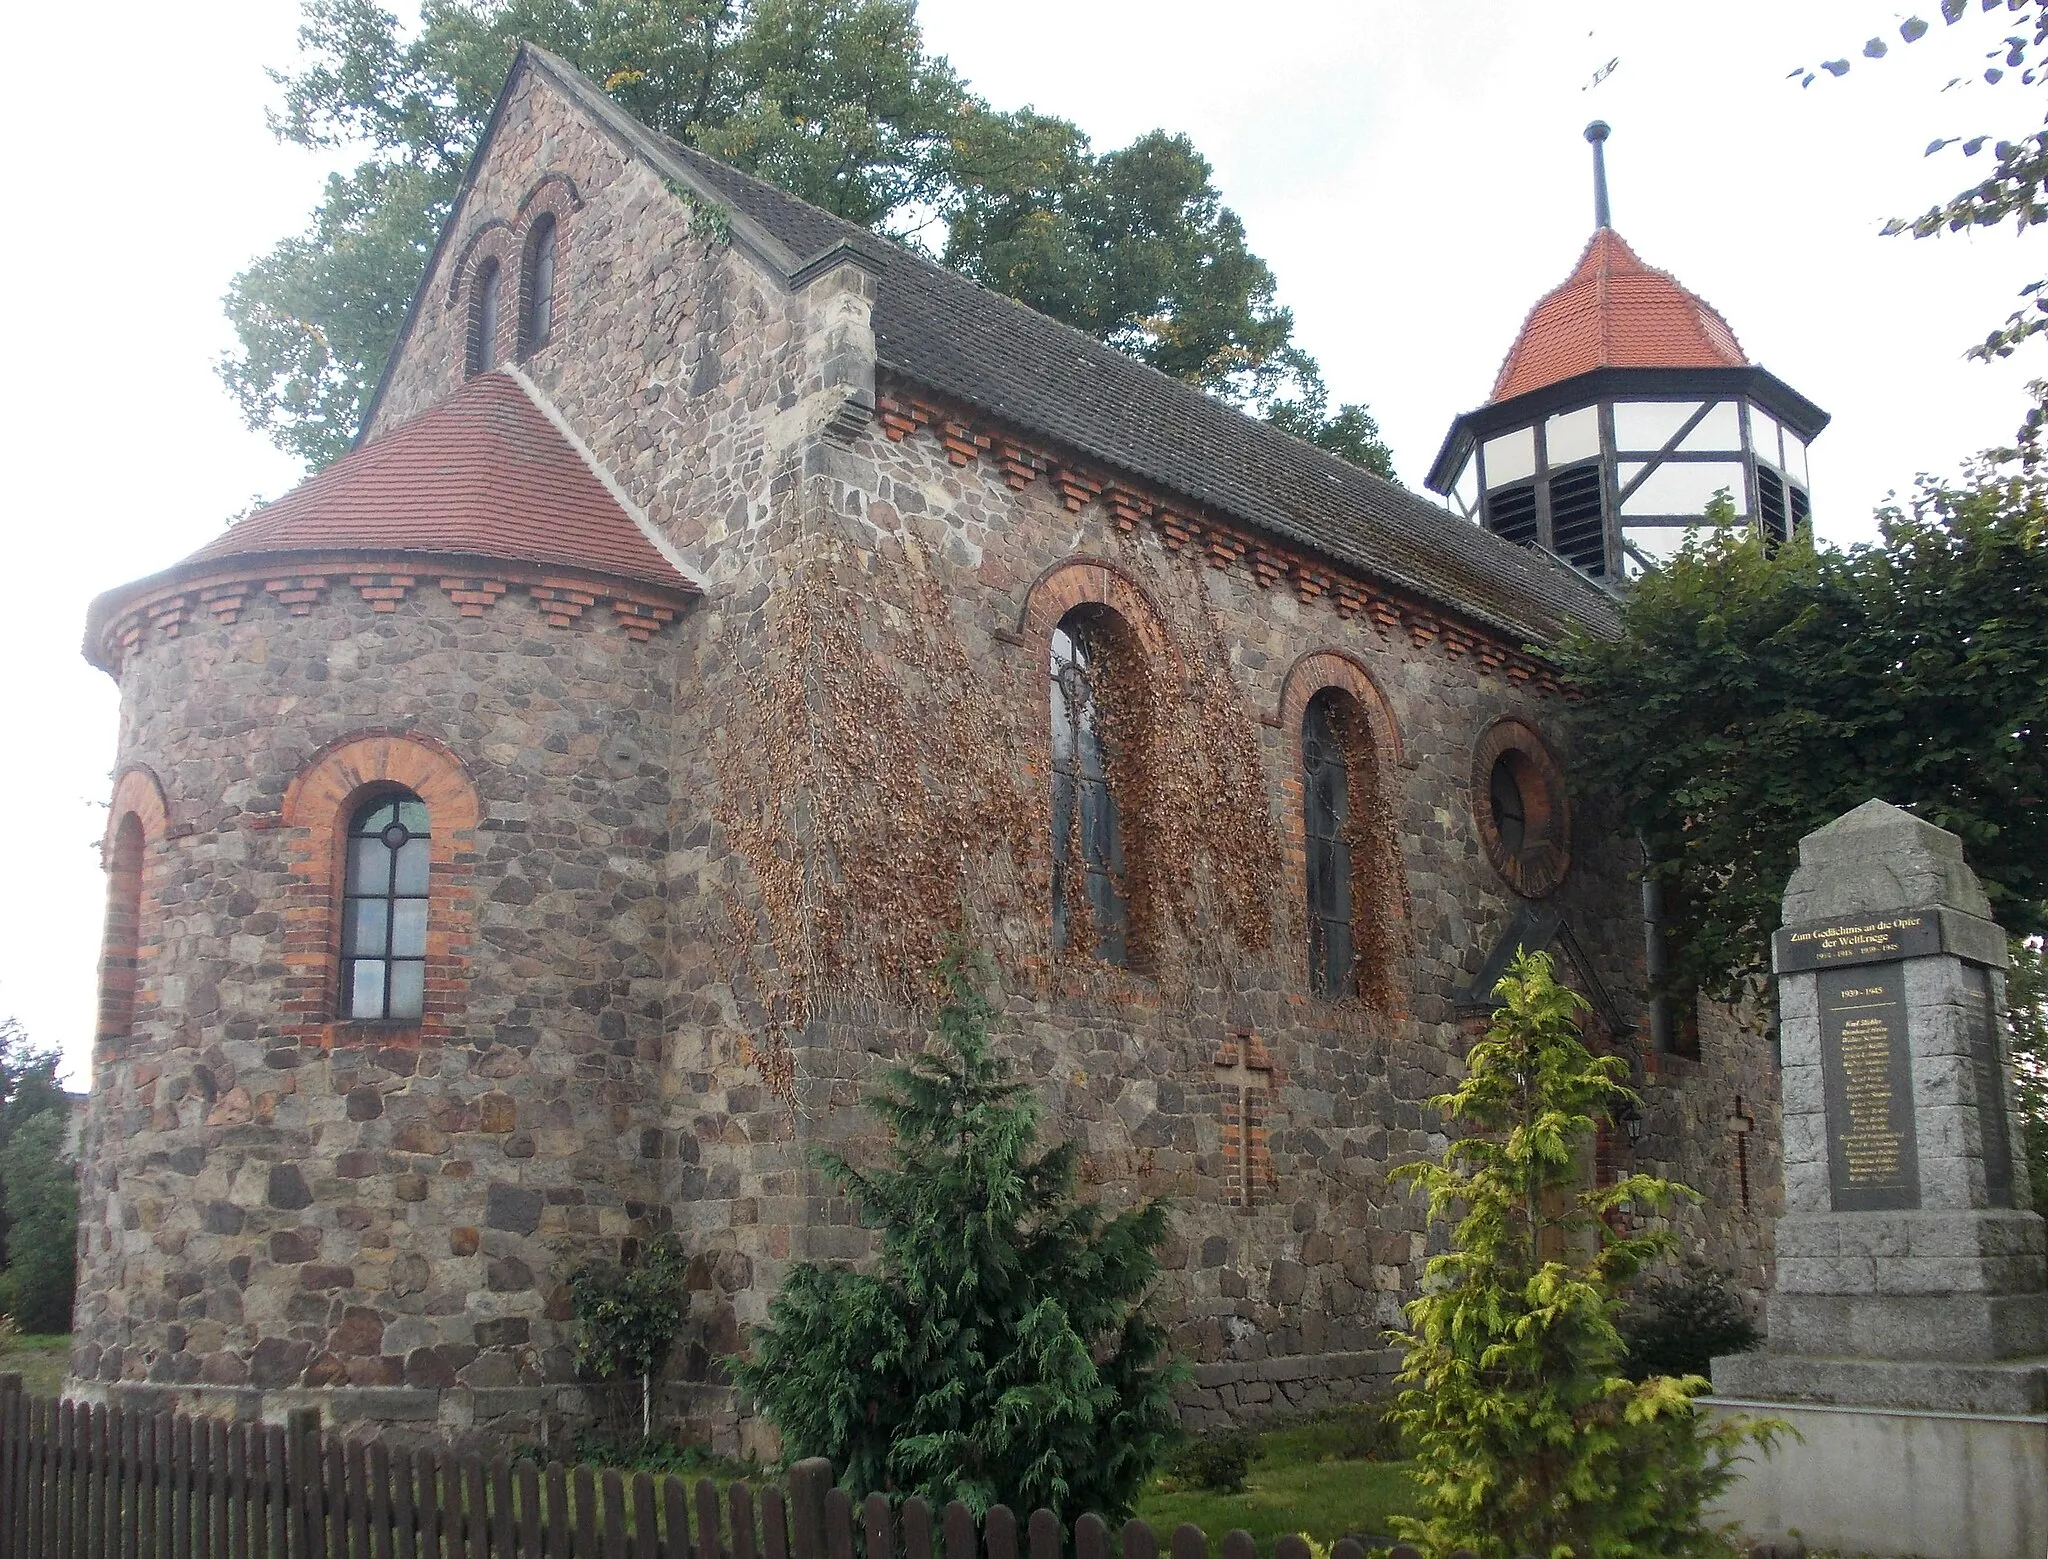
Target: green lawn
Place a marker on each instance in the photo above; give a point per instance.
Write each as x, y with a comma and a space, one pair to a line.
41, 1362
1309, 1478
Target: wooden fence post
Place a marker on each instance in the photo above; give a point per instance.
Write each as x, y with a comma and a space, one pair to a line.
302, 1464
808, 1481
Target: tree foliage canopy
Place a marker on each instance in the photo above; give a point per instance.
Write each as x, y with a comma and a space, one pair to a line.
836, 101
38, 1195
2015, 187
1527, 1436
1001, 1352
1755, 694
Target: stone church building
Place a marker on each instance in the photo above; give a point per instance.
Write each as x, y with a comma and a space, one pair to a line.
532, 833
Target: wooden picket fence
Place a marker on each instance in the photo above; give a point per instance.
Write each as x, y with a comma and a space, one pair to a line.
82, 1481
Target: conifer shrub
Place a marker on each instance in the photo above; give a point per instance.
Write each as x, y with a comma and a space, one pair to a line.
1217, 1462
1679, 1324
1526, 1434
1000, 1351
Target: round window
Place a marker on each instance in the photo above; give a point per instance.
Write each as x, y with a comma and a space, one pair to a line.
1524, 822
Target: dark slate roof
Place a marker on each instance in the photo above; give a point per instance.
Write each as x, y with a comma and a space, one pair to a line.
942, 331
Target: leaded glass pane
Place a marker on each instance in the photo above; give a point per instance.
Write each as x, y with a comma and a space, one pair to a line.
487, 316
369, 866
384, 911
1326, 811
411, 874
363, 927
408, 989
540, 288
366, 999
1087, 832
409, 928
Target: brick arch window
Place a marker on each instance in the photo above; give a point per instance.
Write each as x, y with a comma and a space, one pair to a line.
1326, 762
384, 910
485, 288
1091, 901
381, 911
135, 825
537, 286
1097, 635
1348, 856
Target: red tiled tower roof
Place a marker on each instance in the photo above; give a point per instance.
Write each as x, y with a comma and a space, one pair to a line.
483, 474
1613, 311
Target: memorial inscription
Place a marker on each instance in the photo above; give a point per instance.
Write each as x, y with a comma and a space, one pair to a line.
1908, 934
1988, 1065
1867, 1071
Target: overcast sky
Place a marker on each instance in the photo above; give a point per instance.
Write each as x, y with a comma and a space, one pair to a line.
1413, 172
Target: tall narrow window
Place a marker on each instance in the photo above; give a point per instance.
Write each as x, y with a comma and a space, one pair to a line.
384, 911
483, 318
1087, 833
118, 970
537, 288
1326, 798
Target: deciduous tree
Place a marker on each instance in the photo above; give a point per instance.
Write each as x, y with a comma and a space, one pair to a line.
1755, 693
837, 101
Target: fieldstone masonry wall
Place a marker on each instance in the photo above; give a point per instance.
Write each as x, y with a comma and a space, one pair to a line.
667, 1008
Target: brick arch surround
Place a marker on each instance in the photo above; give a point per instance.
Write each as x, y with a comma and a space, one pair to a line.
1385, 932
1084, 582
317, 807
137, 824
1319, 669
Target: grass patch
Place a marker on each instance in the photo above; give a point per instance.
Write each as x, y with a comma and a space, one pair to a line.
1313, 1477
41, 1359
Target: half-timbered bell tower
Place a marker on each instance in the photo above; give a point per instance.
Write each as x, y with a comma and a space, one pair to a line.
1625, 407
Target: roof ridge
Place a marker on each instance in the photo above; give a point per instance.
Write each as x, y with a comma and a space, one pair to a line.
945, 332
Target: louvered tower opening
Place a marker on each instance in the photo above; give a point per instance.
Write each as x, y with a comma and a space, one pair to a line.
1578, 531
1511, 513
1770, 503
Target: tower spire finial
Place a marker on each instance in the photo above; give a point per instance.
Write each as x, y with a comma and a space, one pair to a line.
1597, 132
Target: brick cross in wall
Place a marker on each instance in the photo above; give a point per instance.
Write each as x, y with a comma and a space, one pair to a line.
1245, 1073
1742, 1122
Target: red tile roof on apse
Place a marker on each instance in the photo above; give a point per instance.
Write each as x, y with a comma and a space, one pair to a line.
483, 474
1613, 311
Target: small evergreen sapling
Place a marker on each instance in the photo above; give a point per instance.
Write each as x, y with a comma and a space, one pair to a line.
1527, 1436
1000, 1352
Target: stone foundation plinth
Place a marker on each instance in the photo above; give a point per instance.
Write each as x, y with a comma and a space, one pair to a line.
1870, 1480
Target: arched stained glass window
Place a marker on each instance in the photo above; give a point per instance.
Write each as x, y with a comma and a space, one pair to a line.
384, 911
483, 318
537, 288
1326, 816
1087, 833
